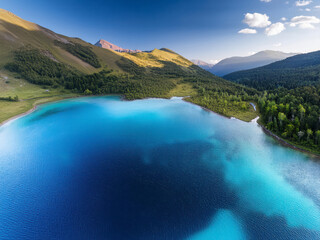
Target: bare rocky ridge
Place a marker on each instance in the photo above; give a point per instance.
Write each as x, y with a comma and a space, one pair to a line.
107, 45
202, 64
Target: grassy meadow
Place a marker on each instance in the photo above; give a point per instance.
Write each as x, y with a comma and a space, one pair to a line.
29, 95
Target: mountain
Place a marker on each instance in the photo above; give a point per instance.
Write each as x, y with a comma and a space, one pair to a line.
296, 71
202, 64
16, 33
259, 59
76, 54
107, 45
42, 56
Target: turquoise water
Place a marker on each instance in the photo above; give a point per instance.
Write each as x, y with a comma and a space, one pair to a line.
102, 168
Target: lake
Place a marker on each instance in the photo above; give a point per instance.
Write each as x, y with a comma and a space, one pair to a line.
103, 168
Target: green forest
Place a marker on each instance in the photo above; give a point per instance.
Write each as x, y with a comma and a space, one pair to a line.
293, 115
82, 52
269, 79
223, 97
289, 99
297, 71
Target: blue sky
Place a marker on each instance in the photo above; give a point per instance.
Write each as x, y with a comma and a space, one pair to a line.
199, 29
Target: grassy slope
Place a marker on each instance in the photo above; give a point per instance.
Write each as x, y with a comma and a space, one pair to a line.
107, 57
182, 90
29, 95
16, 32
229, 110
12, 109
246, 116
11, 86
156, 58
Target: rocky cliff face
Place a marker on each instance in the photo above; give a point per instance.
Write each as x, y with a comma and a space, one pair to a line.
107, 45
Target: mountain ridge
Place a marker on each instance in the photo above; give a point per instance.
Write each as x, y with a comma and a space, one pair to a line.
107, 45
296, 71
16, 32
202, 64
238, 63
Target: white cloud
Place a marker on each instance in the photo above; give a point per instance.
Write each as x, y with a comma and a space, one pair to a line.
317, 6
304, 22
308, 9
275, 29
302, 3
284, 19
257, 20
277, 44
265, 1
248, 31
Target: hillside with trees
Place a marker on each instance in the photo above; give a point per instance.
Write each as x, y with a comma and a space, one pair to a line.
134, 82
296, 71
290, 103
293, 115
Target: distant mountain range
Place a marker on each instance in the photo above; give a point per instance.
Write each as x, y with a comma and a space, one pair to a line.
234, 64
202, 64
107, 45
296, 71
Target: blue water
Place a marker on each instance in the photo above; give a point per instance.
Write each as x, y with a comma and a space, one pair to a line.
102, 168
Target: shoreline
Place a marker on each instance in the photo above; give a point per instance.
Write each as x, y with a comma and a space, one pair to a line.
34, 108
19, 115
281, 141
265, 130
287, 144
54, 101
209, 110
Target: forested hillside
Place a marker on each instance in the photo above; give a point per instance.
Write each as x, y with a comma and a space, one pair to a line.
296, 71
290, 105
233, 64
136, 81
294, 115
